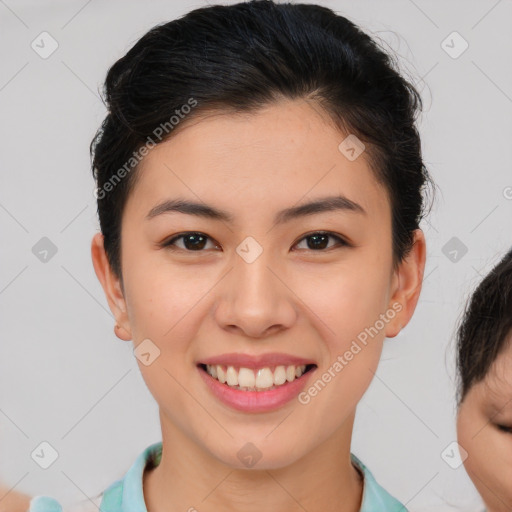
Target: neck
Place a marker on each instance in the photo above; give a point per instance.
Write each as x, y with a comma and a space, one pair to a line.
190, 479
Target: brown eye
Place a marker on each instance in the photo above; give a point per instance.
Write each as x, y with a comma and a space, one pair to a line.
319, 240
192, 242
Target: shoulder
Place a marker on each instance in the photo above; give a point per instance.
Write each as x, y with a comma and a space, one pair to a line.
48, 504
127, 490
375, 497
44, 504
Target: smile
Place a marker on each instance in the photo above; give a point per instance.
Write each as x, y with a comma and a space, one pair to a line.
256, 389
260, 379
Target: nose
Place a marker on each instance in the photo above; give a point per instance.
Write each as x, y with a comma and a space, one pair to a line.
255, 299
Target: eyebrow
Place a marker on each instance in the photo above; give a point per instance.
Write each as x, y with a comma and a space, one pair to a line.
320, 205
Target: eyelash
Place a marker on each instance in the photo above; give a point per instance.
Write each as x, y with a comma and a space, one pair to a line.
170, 243
505, 429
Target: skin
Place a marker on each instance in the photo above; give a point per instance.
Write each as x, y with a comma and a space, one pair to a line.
484, 430
12, 501
293, 299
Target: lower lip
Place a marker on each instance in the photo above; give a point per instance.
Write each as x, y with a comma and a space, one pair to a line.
256, 401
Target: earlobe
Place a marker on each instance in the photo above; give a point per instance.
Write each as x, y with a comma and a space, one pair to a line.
409, 278
111, 287
122, 333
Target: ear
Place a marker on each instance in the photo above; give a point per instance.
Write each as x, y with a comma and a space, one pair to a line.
111, 286
407, 282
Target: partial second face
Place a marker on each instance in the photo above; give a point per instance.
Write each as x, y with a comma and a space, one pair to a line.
484, 429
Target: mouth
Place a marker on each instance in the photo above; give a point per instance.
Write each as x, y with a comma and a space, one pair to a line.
256, 380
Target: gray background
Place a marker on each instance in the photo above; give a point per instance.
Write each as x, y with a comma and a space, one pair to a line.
66, 379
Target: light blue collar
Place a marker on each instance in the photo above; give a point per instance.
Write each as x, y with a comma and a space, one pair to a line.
127, 495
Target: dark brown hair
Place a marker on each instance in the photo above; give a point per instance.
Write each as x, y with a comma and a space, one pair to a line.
486, 326
241, 57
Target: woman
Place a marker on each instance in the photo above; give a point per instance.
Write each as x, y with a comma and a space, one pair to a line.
260, 187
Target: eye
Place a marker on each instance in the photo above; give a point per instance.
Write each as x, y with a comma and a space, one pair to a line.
192, 241
196, 241
504, 428
319, 240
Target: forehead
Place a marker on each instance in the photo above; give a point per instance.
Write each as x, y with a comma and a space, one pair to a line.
280, 154
499, 378
495, 391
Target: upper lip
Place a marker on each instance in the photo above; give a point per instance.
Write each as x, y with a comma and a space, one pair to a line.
260, 361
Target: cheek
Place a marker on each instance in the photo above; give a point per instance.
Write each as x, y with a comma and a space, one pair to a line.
492, 464
350, 317
468, 424
160, 298
347, 299
489, 461
166, 308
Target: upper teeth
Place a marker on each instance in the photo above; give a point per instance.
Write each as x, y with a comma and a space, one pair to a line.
262, 378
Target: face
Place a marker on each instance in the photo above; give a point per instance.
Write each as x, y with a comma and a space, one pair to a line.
484, 429
267, 277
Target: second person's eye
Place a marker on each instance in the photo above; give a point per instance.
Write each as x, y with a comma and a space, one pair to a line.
505, 428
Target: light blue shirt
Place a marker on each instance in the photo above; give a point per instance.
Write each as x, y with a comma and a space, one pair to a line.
126, 495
